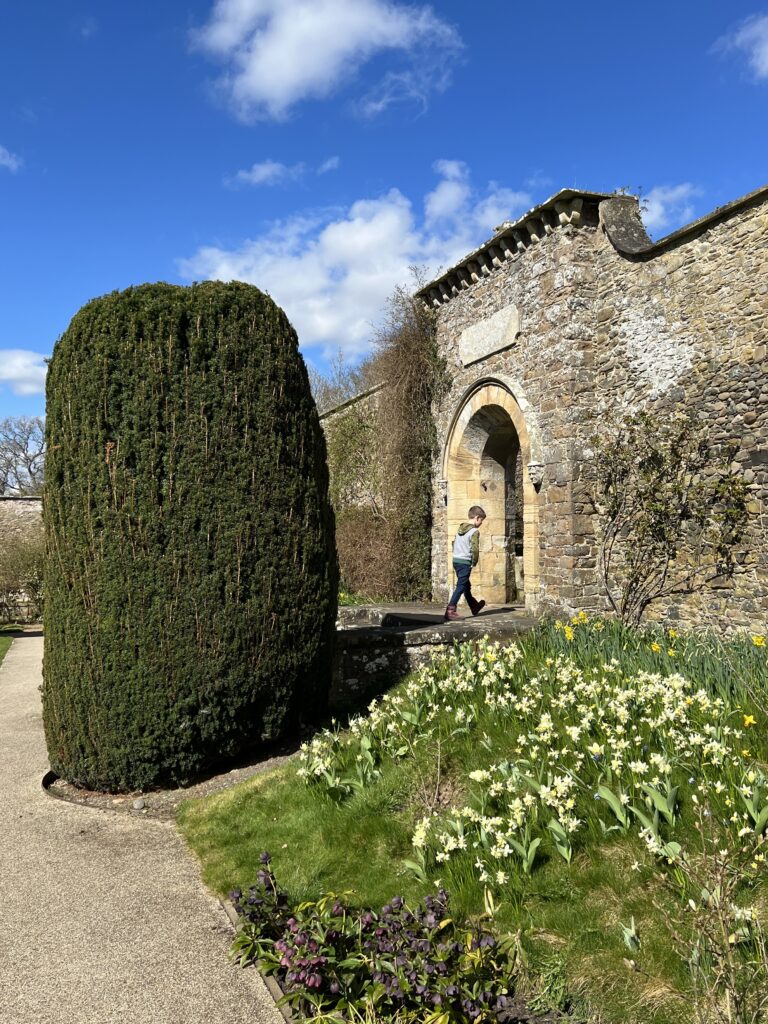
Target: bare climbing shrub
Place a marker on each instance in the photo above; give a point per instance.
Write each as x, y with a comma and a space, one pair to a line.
671, 511
380, 454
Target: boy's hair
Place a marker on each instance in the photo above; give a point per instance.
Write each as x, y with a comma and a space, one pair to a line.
476, 511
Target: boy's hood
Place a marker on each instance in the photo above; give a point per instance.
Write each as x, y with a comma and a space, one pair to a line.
465, 528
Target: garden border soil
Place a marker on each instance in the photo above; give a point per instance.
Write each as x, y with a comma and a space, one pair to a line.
160, 804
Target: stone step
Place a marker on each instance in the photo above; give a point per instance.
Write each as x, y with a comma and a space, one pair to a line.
378, 645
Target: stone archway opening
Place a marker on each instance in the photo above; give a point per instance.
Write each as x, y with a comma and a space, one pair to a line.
487, 453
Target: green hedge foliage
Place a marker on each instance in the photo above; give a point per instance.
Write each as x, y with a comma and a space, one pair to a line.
191, 576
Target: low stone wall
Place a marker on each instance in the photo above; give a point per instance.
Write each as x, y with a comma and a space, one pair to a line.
371, 658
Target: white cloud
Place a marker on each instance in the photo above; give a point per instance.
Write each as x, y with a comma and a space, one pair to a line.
539, 180
332, 270
277, 53
87, 27
268, 172
272, 172
454, 201
23, 371
750, 38
331, 164
9, 160
669, 206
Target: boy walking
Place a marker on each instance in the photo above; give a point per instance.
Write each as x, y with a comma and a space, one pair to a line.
466, 552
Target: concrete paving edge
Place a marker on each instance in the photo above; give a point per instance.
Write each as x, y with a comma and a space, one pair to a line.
272, 986
275, 992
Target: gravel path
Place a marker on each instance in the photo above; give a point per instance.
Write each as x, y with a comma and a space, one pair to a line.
103, 917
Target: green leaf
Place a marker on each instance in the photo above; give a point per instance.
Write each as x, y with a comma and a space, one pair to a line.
614, 803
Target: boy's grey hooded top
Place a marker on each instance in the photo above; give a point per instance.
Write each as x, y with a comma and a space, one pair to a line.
466, 547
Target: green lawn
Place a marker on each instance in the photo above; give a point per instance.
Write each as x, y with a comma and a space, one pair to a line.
528, 773
5, 641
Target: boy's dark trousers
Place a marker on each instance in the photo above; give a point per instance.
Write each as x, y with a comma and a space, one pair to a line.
463, 586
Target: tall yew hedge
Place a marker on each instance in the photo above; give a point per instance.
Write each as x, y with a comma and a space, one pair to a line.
191, 571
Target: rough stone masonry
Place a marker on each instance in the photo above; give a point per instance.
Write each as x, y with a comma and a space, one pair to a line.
569, 313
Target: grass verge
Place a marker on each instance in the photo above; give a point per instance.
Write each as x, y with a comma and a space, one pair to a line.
5, 640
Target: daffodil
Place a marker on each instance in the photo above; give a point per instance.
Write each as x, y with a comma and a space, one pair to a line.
749, 720
655, 647
758, 641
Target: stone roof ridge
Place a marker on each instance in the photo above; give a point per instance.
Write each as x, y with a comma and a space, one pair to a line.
511, 238
620, 218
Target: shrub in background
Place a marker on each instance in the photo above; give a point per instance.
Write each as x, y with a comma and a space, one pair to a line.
21, 578
381, 450
191, 576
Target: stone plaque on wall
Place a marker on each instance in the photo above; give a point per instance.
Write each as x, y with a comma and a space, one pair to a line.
491, 335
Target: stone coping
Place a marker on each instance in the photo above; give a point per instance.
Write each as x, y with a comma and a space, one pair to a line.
720, 213
510, 239
620, 218
408, 625
351, 401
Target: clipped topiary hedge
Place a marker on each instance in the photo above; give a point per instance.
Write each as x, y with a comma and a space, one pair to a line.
191, 571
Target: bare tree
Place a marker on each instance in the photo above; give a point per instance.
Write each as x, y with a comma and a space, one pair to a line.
22, 455
343, 381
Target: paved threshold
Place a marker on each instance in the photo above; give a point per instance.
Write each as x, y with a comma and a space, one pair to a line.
103, 917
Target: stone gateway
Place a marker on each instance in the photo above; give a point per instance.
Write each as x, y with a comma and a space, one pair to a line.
572, 312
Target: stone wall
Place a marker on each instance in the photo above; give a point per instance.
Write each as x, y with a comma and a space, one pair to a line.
547, 369
606, 320
685, 325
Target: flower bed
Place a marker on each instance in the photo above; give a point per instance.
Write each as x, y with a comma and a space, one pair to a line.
329, 957
603, 792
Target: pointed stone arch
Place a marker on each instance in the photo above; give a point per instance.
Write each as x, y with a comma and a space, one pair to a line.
491, 458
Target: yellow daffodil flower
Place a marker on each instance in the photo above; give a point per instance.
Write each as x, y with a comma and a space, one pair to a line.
758, 641
749, 720
655, 647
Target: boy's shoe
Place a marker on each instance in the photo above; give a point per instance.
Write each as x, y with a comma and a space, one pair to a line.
475, 606
451, 615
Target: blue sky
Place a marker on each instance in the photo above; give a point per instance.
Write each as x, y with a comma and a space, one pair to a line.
318, 148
